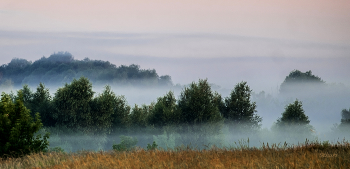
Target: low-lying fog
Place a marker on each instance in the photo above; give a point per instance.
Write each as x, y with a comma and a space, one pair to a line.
323, 106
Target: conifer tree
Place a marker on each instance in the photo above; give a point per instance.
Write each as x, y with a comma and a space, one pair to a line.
18, 129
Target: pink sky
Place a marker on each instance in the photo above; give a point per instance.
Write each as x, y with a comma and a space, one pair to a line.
311, 20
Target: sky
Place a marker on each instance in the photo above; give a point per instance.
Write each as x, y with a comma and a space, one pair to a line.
311, 20
226, 41
250, 40
187, 39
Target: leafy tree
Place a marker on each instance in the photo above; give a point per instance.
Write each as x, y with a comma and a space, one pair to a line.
199, 114
345, 121
239, 110
28, 98
198, 104
17, 128
297, 80
294, 121
164, 111
42, 103
103, 108
61, 57
294, 114
16, 69
165, 80
139, 116
121, 113
72, 105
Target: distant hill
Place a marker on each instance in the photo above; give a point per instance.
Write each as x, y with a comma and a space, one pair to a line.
62, 68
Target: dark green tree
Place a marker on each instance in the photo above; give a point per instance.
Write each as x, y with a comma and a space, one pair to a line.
293, 123
72, 105
240, 111
200, 117
108, 109
294, 114
28, 99
345, 120
198, 104
298, 81
18, 129
164, 111
139, 116
121, 113
42, 103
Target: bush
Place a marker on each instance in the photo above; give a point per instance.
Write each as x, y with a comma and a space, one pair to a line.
17, 128
127, 143
152, 147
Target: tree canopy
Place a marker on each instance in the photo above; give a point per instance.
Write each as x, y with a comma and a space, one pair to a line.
293, 121
298, 81
240, 110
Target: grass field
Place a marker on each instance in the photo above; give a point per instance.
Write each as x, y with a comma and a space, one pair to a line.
307, 155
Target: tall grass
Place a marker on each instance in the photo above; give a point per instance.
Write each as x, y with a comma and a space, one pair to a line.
307, 155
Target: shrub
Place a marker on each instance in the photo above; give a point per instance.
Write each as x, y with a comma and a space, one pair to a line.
127, 143
152, 147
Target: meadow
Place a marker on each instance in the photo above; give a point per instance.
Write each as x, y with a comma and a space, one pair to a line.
306, 155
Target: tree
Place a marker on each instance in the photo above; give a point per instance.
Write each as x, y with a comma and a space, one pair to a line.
42, 103
200, 118
165, 81
198, 105
345, 121
164, 111
294, 114
72, 105
121, 113
28, 98
294, 121
103, 109
239, 110
18, 129
139, 116
298, 81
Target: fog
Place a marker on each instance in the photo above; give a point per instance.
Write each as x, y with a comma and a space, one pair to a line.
322, 104
223, 60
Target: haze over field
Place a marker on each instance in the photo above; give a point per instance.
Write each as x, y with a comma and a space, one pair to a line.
227, 42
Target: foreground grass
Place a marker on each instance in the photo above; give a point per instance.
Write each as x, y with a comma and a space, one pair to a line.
308, 155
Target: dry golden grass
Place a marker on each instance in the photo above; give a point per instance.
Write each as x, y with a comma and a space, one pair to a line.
306, 156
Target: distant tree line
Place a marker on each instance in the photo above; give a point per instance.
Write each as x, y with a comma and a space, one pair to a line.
61, 68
